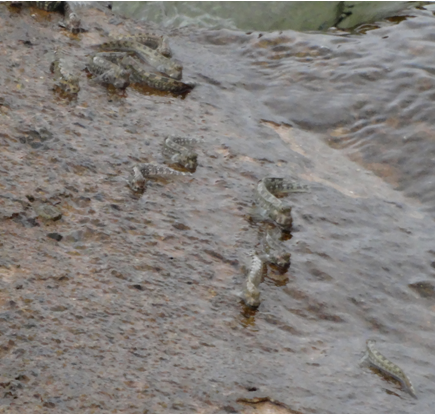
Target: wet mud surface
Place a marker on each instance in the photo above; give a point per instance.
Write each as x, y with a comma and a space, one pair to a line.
128, 304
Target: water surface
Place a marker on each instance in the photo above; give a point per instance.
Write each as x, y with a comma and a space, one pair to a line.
261, 15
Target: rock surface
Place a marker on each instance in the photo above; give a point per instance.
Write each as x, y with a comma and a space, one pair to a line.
135, 310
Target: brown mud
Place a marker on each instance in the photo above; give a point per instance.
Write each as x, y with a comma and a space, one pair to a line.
127, 304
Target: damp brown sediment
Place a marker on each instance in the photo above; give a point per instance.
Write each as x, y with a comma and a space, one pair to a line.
134, 308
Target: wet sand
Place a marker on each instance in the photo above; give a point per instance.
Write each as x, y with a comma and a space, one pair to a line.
135, 308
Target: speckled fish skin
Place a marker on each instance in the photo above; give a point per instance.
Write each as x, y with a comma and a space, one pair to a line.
272, 249
148, 55
281, 185
151, 170
64, 76
275, 208
114, 57
43, 5
137, 181
266, 199
141, 76
154, 80
109, 73
179, 151
272, 206
283, 218
251, 293
376, 359
72, 21
48, 5
156, 42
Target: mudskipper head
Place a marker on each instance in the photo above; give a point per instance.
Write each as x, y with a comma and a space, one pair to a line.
70, 87
175, 70
370, 342
283, 259
74, 23
191, 161
283, 216
123, 80
252, 297
137, 181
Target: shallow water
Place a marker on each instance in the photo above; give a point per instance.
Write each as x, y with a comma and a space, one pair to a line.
261, 15
371, 95
135, 310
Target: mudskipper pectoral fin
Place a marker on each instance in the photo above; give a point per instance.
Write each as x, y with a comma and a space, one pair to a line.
364, 360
